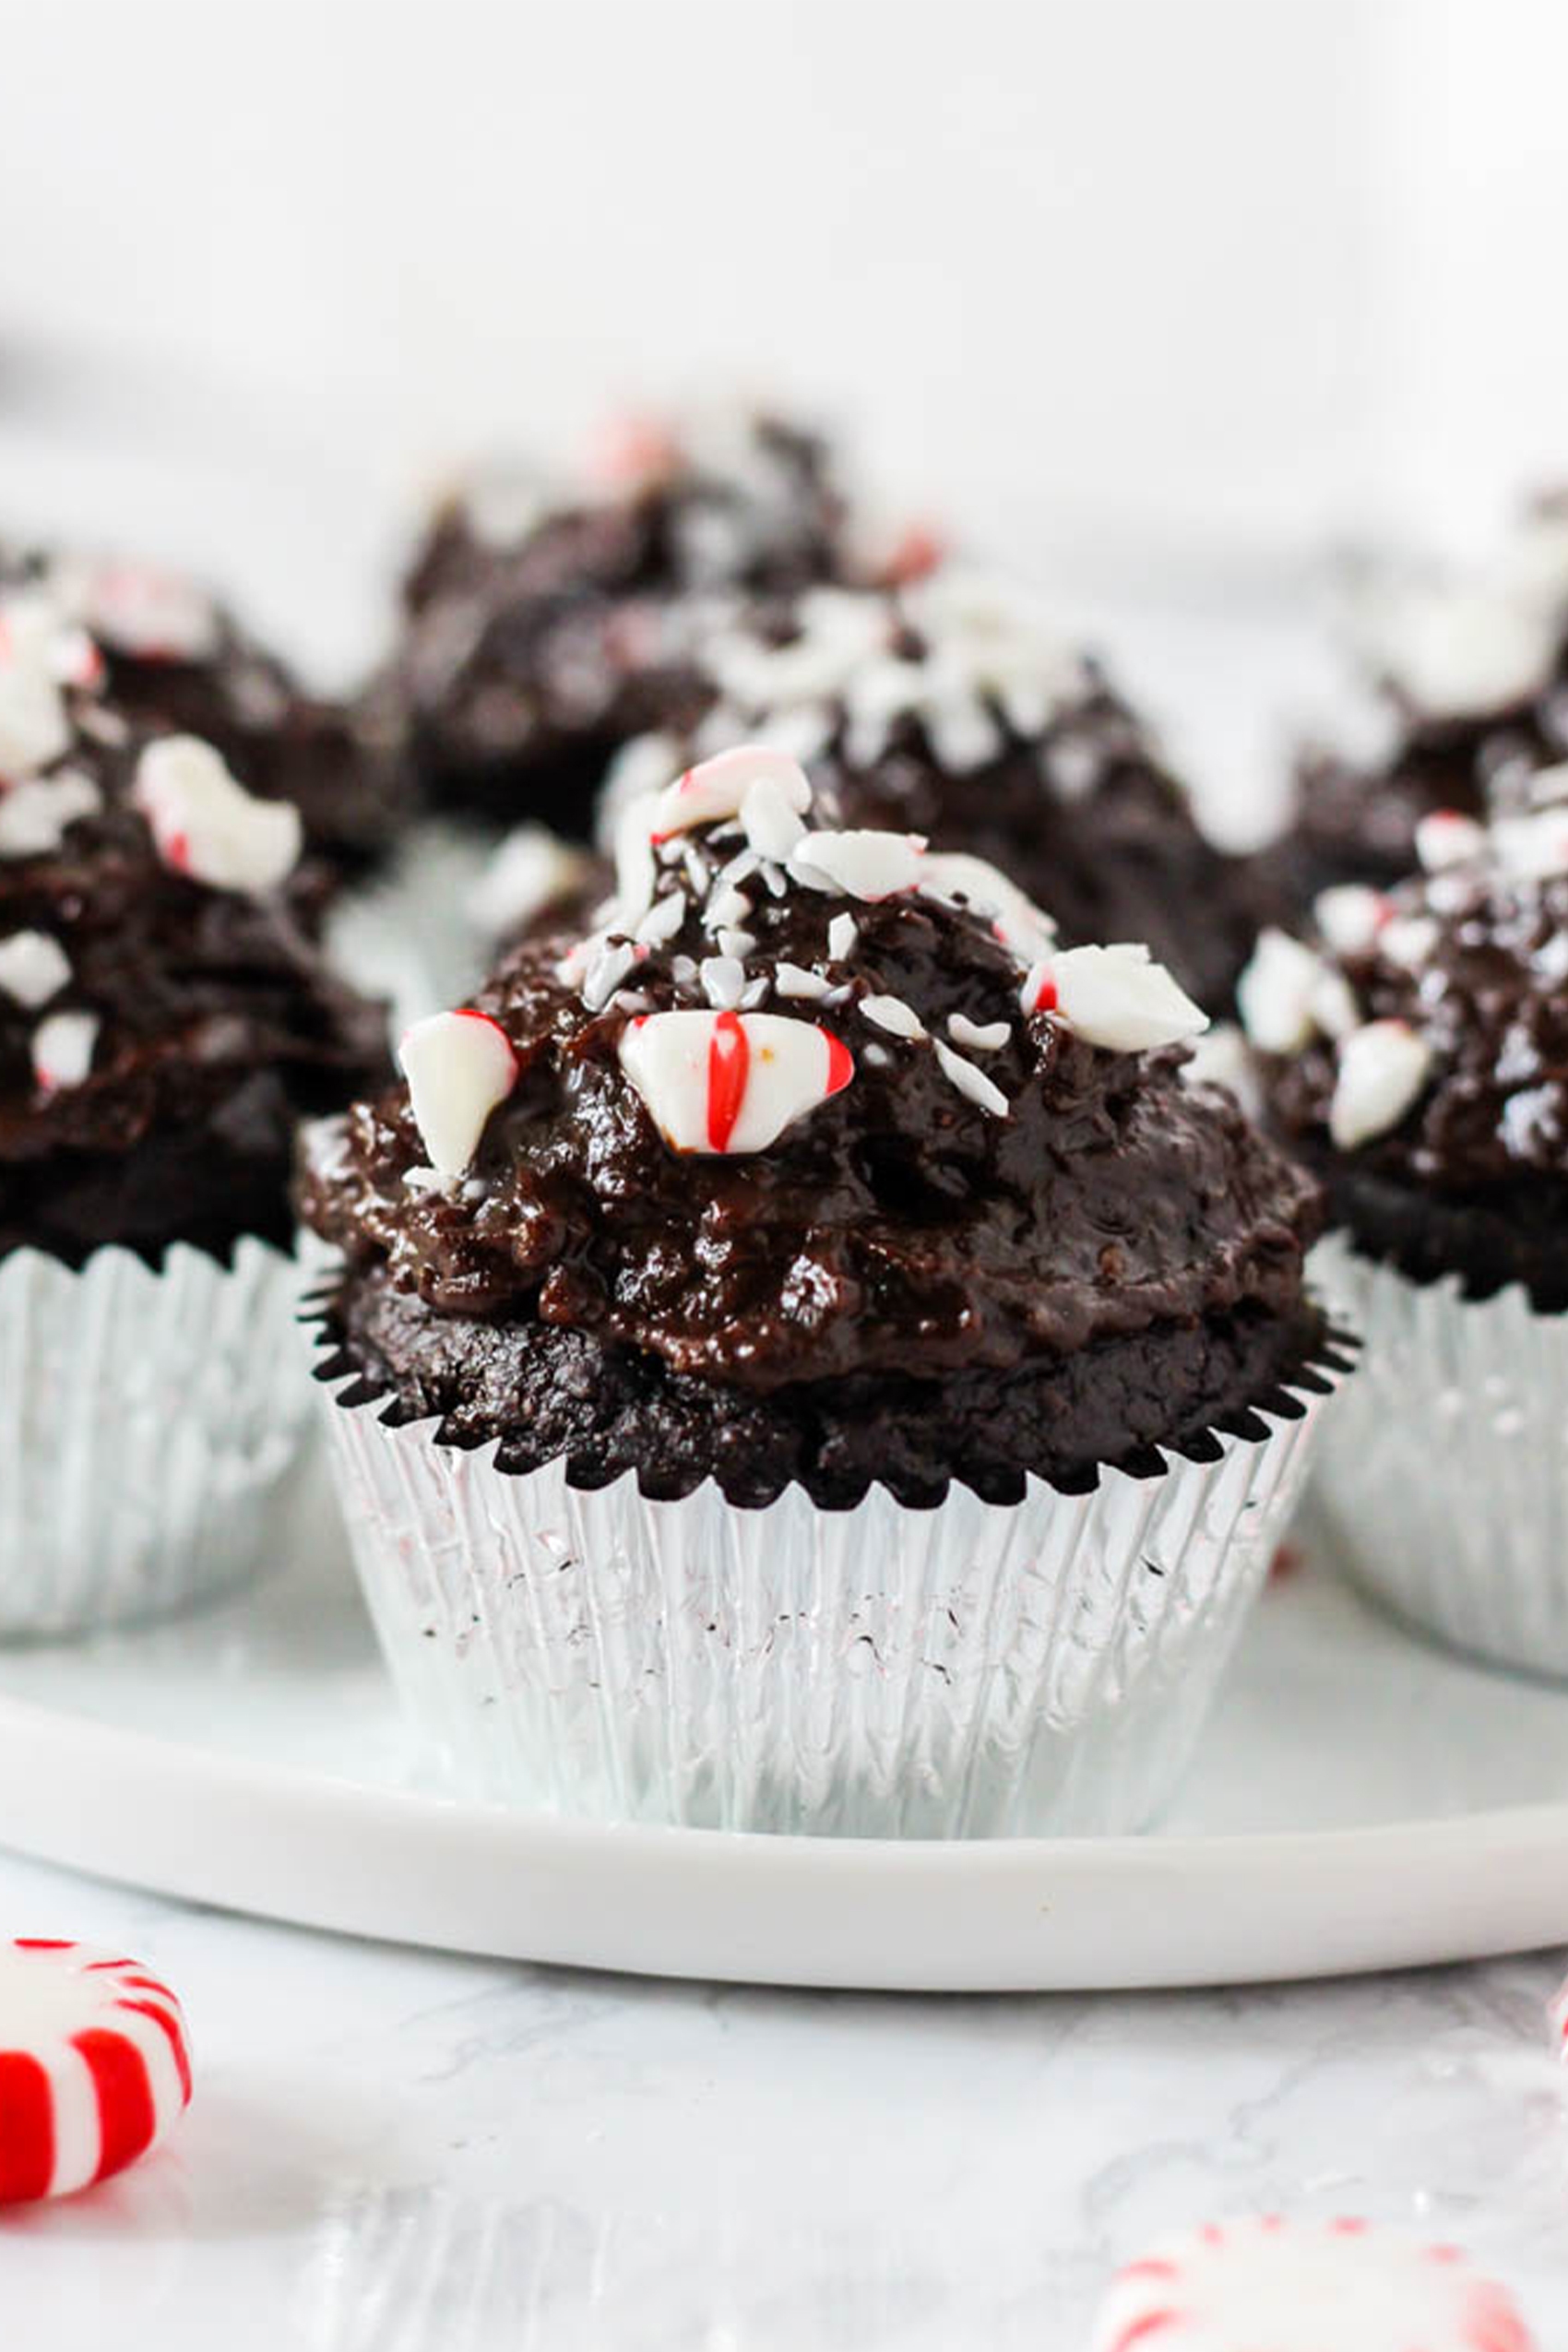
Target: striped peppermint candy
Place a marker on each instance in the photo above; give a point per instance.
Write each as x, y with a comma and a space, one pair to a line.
1261, 2281
730, 1082
94, 2066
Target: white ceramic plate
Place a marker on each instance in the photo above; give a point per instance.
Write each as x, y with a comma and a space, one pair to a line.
1360, 1801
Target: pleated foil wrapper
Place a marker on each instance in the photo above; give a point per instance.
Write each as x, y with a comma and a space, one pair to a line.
979, 1669
1443, 1481
148, 1417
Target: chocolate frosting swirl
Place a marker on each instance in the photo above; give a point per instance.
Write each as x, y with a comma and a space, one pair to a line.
900, 1228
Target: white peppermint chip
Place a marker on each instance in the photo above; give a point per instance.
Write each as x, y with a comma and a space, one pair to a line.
891, 1012
772, 821
738, 943
862, 864
1383, 1068
955, 878
33, 967
458, 1066
839, 632
36, 814
639, 771
607, 967
1343, 2286
962, 731
979, 1037
34, 725
793, 979
1447, 838
725, 908
208, 825
719, 787
842, 933
1221, 1058
1349, 917
1333, 1007
63, 1048
635, 870
1548, 786
730, 1082
532, 867
1118, 998
723, 981
151, 615
1531, 848
972, 1082
1274, 994
664, 919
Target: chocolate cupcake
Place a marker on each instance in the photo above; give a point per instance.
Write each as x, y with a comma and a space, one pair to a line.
953, 708
803, 1357
1473, 677
165, 1022
1415, 1054
175, 658
547, 624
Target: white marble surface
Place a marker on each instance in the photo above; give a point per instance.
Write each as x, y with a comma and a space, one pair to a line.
396, 2152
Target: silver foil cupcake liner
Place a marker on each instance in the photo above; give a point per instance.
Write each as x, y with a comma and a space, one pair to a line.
149, 1417
979, 1669
1443, 1481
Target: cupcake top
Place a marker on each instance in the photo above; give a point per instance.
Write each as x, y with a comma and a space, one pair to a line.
176, 657
813, 1102
1472, 672
548, 623
162, 1017
1417, 1050
952, 707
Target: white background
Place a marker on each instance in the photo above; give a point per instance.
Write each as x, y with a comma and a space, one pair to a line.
1121, 286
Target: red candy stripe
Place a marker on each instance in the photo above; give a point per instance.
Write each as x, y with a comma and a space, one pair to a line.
94, 2068
26, 2128
728, 1064
127, 2117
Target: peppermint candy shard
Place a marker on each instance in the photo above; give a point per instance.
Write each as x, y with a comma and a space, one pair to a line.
1448, 838
205, 823
36, 814
1338, 2286
33, 967
718, 789
730, 1082
63, 1048
953, 877
1383, 1067
1116, 997
1351, 915
531, 869
865, 865
94, 2066
1275, 994
460, 1066
34, 725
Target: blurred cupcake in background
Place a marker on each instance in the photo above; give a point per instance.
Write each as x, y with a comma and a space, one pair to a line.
1471, 671
547, 623
176, 658
802, 1359
164, 1021
1415, 1055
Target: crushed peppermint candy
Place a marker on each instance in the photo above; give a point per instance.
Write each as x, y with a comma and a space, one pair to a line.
793, 979
206, 826
1448, 838
980, 1036
868, 866
33, 967
35, 728
1349, 916
460, 1066
971, 1081
723, 981
720, 786
1119, 998
1274, 994
531, 871
63, 1047
36, 814
1383, 1067
732, 1082
842, 933
891, 1012
138, 610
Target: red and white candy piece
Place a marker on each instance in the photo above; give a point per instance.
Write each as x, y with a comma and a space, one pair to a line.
1116, 997
458, 1066
719, 787
1447, 838
730, 1082
1262, 2284
151, 615
63, 1048
1383, 1067
94, 2067
208, 825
